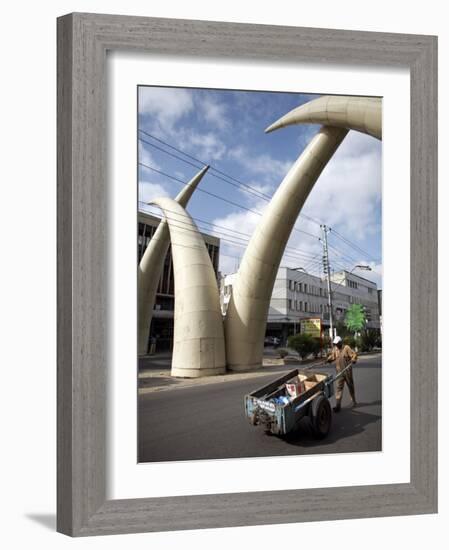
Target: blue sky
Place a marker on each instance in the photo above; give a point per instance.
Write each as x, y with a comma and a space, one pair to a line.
226, 130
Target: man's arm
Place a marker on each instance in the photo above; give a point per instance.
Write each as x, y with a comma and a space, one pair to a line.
351, 354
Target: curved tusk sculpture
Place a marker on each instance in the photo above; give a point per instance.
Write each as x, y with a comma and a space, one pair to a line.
363, 114
247, 311
198, 340
152, 264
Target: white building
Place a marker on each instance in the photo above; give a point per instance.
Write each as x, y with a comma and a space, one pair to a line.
298, 295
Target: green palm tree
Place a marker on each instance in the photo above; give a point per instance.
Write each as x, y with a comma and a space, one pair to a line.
355, 318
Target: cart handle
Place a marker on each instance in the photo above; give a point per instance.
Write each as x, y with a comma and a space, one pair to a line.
338, 375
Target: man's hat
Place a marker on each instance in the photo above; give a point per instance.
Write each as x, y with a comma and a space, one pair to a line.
337, 340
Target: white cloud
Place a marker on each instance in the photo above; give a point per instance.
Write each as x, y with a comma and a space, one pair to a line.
347, 195
167, 105
149, 191
263, 165
145, 157
214, 112
207, 146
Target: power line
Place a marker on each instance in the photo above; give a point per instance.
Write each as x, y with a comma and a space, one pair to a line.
252, 192
239, 183
226, 239
309, 265
353, 245
212, 169
202, 162
227, 229
199, 189
343, 256
174, 178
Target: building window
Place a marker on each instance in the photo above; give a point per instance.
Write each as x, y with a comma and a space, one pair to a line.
305, 307
299, 287
289, 304
300, 306
305, 288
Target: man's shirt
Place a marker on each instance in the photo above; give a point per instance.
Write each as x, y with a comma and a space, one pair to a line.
342, 357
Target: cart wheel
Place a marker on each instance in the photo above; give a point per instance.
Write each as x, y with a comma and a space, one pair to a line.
321, 416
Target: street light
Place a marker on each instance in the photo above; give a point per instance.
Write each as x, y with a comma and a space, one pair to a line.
358, 266
361, 266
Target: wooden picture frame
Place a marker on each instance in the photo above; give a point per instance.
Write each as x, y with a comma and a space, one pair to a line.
83, 40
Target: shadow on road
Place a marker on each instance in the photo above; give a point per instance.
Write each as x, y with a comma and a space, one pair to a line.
347, 423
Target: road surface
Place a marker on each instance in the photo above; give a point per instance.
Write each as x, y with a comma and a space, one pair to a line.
208, 421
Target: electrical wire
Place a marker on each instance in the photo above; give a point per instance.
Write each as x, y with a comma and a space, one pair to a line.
223, 228
250, 189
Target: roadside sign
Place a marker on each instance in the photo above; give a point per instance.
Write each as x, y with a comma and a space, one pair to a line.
311, 326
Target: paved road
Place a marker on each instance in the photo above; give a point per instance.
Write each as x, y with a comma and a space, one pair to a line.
208, 422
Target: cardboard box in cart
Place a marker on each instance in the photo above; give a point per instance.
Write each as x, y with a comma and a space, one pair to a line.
295, 387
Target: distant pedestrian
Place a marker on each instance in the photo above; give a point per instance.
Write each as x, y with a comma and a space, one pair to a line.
343, 356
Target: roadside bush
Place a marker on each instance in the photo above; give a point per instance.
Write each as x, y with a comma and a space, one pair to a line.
368, 340
316, 347
304, 344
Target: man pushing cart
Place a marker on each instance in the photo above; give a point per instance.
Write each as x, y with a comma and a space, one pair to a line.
343, 356
280, 405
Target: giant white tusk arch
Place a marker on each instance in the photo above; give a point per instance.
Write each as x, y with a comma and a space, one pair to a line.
247, 312
152, 264
363, 114
248, 307
198, 339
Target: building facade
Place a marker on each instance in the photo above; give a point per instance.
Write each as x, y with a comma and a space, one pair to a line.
163, 314
299, 295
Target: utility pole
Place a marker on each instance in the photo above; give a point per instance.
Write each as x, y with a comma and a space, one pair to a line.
327, 272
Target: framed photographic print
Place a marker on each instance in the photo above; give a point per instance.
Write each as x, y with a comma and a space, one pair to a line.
243, 210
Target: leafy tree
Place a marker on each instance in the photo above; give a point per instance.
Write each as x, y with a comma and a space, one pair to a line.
355, 318
342, 329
